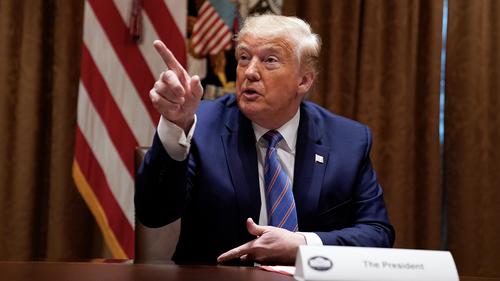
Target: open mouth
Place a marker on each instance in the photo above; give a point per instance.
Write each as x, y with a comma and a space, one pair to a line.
250, 92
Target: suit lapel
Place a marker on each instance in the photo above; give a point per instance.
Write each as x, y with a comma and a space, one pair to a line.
309, 171
241, 157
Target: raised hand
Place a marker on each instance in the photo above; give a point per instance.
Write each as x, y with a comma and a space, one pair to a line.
272, 245
175, 95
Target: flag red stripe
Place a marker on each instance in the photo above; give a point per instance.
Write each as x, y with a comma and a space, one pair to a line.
118, 129
97, 181
167, 30
127, 51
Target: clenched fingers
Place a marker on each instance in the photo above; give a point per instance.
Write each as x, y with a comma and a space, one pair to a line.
170, 87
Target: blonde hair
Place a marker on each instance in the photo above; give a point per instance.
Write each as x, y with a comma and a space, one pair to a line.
297, 32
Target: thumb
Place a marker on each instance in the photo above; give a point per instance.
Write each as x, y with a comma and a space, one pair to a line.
254, 229
196, 88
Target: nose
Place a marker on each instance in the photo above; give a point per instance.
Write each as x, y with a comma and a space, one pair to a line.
252, 72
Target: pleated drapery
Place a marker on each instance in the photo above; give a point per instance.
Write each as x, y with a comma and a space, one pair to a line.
42, 215
472, 136
381, 66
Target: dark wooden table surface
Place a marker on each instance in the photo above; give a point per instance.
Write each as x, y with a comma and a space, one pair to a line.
125, 270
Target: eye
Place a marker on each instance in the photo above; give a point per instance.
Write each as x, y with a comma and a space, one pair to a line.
242, 55
243, 59
271, 60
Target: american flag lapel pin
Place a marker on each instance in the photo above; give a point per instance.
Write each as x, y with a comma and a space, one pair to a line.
319, 159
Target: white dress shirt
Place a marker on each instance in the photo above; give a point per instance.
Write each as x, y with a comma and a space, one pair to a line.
177, 145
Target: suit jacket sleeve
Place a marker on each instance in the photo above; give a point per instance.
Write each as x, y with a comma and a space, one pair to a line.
214, 190
159, 197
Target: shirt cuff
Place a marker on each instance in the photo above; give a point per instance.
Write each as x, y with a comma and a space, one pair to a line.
174, 140
312, 239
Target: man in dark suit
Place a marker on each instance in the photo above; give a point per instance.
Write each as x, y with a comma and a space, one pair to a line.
210, 161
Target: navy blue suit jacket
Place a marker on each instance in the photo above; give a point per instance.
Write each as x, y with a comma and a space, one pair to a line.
216, 189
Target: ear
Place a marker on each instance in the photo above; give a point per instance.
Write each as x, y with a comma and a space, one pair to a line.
305, 82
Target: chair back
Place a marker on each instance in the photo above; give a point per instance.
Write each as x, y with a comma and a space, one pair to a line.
153, 245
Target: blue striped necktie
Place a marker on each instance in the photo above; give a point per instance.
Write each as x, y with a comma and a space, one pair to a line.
279, 196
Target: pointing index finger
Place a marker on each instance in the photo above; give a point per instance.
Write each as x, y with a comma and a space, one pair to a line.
168, 57
234, 253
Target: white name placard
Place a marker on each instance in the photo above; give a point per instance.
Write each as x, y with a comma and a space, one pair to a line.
315, 263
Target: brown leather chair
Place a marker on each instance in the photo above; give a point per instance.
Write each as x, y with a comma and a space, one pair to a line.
153, 244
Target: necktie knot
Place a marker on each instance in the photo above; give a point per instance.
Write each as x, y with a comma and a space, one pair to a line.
273, 137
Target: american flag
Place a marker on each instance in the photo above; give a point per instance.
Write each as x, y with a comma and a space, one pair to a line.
210, 34
114, 111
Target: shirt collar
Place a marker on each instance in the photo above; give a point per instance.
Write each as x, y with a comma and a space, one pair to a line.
288, 131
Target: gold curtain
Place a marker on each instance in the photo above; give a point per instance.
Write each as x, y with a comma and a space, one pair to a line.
41, 213
472, 135
381, 66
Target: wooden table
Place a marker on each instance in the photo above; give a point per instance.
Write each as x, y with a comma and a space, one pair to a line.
124, 270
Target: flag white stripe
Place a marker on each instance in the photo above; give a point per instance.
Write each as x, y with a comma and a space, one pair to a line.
119, 180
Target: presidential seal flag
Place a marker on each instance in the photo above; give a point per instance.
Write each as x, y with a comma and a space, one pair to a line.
118, 68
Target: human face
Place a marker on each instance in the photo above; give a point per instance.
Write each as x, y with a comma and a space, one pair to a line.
269, 88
